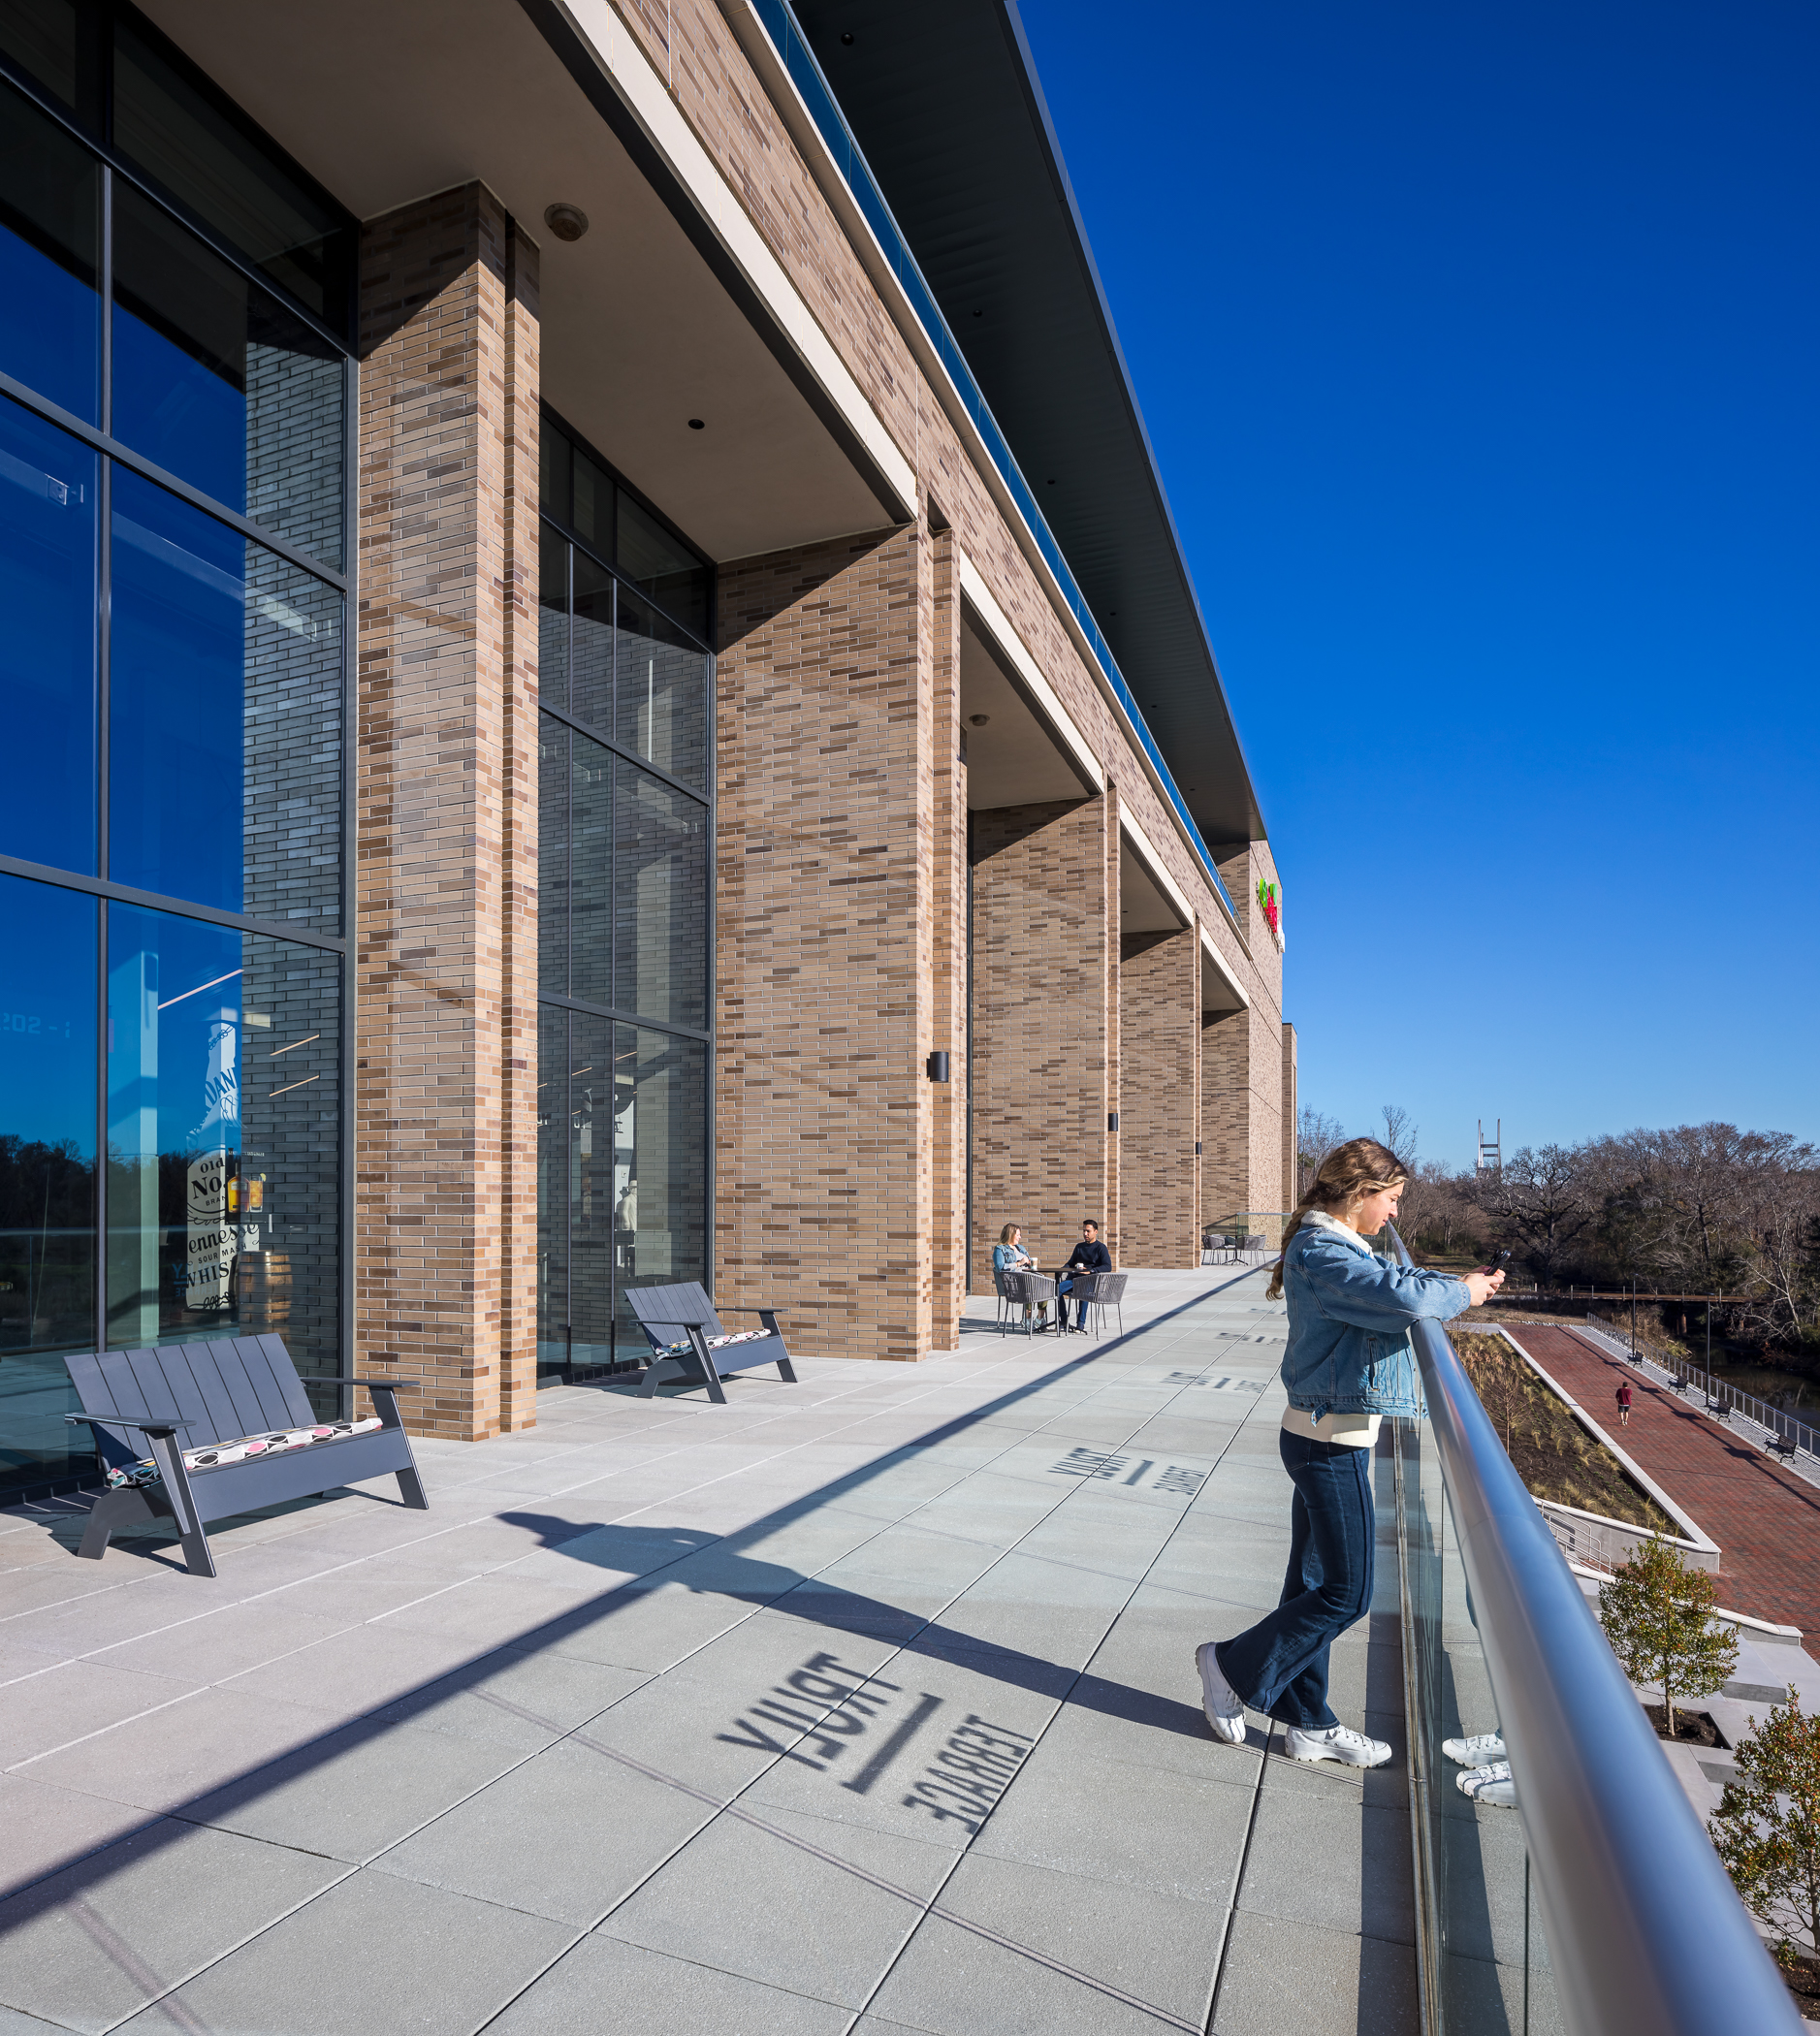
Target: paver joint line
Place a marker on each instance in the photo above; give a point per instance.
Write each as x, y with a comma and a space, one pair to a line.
1099, 1531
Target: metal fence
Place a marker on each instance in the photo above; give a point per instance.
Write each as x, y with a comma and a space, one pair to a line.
1720, 1397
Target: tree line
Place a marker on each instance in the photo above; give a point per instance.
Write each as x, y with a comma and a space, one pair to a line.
1697, 1208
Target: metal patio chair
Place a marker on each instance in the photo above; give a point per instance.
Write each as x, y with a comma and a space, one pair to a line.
1108, 1293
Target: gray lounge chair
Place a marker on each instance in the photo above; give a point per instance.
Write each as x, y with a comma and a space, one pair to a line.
179, 1398
683, 1314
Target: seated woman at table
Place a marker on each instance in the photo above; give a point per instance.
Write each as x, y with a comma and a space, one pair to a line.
1009, 1255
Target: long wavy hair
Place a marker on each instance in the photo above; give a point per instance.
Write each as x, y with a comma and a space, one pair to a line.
1349, 1175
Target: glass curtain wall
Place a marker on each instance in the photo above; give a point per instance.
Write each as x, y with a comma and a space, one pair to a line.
625, 919
174, 395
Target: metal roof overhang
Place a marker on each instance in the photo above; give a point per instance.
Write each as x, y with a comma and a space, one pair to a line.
944, 99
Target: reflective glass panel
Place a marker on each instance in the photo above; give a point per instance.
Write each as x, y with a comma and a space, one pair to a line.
552, 1194
49, 257
591, 513
39, 36
659, 1164
47, 644
591, 696
654, 561
223, 1137
552, 618
225, 702
214, 380
229, 176
48, 1115
553, 855
591, 873
660, 680
596, 1189
660, 900
553, 474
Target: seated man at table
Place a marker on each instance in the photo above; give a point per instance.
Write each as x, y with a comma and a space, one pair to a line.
1089, 1255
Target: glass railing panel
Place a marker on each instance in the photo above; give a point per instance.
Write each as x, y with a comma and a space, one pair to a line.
1483, 1966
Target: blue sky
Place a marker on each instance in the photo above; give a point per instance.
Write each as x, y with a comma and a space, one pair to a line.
1477, 346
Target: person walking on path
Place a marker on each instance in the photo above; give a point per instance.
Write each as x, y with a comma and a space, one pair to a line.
1624, 1403
1347, 1364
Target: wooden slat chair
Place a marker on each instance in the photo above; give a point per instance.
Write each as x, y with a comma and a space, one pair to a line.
181, 1398
683, 1314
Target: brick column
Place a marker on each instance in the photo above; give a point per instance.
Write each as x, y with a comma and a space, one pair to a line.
825, 942
1045, 1024
1158, 1063
1246, 1051
1225, 1115
949, 1000
1291, 1190
446, 1192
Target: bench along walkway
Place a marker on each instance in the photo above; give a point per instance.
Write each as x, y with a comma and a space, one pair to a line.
1764, 1516
860, 1705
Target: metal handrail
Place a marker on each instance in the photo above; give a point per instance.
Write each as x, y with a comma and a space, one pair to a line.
1644, 1928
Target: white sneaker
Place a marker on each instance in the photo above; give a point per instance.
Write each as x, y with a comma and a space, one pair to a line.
1492, 1784
1337, 1742
1226, 1714
1475, 1752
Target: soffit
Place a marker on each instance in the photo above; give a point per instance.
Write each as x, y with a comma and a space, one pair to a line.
386, 104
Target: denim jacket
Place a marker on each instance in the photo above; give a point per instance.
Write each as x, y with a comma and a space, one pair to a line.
1349, 1311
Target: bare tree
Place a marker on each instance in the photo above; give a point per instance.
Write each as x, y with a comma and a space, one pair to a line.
1437, 1206
1543, 1198
1316, 1136
1399, 1134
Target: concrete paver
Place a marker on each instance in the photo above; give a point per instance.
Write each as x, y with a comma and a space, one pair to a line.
861, 1704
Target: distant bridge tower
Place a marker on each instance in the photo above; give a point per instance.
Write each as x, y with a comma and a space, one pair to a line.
1490, 1150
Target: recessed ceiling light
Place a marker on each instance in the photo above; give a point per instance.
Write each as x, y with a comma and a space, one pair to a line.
568, 222
696, 423
979, 720
980, 314
848, 39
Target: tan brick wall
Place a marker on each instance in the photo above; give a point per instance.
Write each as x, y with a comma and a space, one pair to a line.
1225, 1186
1287, 1118
824, 961
445, 1207
948, 931
1158, 1071
1045, 975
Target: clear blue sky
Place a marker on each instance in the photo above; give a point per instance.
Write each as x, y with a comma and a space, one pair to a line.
1479, 349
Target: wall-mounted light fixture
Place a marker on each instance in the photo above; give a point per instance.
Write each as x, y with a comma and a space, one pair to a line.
1197, 1148
937, 1065
1112, 1120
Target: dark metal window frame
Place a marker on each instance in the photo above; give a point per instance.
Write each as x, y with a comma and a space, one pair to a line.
552, 419
110, 450
100, 143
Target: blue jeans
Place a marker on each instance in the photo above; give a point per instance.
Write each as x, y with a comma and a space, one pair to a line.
1280, 1666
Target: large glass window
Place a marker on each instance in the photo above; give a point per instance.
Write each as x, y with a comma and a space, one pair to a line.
224, 1129
48, 1037
172, 1110
48, 672
623, 919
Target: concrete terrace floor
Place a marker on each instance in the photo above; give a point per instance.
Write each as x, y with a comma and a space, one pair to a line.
864, 1705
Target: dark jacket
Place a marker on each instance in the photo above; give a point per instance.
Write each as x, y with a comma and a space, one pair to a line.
1092, 1258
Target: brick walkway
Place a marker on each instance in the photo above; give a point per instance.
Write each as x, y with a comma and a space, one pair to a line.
1763, 1516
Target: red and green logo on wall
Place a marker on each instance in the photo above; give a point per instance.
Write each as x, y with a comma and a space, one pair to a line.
1269, 898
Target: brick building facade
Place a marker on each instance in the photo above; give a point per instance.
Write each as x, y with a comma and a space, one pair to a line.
940, 824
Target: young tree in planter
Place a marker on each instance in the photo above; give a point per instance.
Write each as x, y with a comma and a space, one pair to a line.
1767, 1828
1657, 1613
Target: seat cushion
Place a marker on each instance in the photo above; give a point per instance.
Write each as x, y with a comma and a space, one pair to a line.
212, 1455
686, 1348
